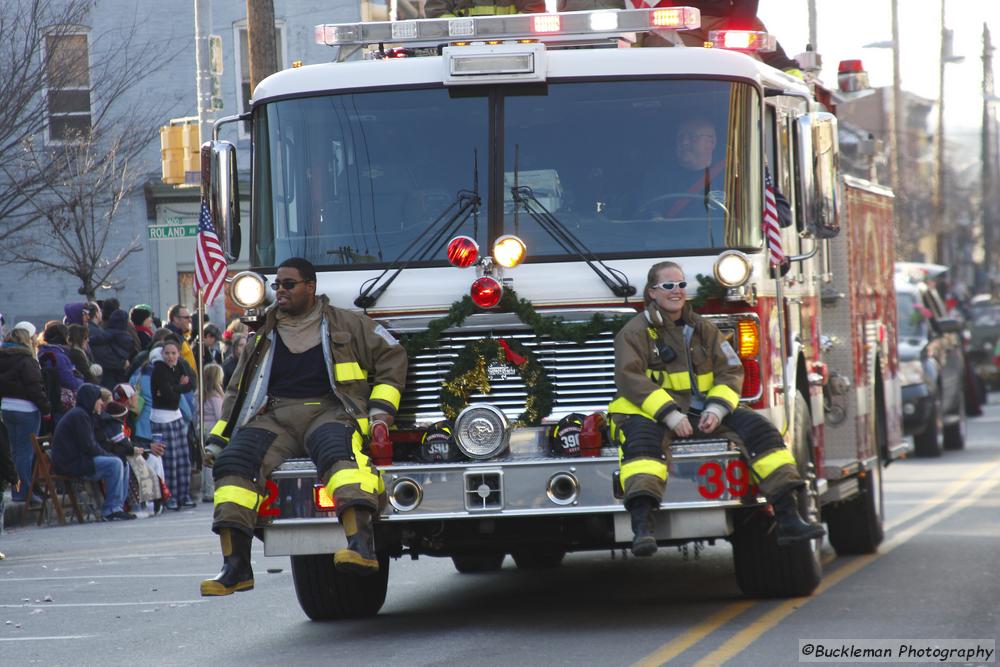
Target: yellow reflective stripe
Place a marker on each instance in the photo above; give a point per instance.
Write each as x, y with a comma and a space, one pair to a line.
238, 495
386, 393
218, 429
678, 381
362, 426
644, 467
623, 406
654, 402
705, 381
721, 391
490, 10
768, 463
347, 371
368, 481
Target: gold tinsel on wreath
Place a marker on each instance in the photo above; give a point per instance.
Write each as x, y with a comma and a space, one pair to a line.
475, 378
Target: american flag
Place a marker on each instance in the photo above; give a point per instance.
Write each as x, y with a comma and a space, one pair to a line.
209, 262
772, 228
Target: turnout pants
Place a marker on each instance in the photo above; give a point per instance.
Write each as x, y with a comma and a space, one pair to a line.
288, 428
644, 453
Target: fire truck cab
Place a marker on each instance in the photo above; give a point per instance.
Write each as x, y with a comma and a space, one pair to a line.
541, 155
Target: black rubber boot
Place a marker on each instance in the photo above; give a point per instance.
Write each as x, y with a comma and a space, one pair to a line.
359, 556
643, 526
793, 528
236, 574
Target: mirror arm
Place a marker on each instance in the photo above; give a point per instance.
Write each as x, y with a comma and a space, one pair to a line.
808, 255
225, 120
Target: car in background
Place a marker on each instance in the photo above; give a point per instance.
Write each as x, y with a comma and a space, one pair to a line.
984, 332
932, 369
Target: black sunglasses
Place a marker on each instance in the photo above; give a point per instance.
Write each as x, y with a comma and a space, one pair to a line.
669, 285
287, 284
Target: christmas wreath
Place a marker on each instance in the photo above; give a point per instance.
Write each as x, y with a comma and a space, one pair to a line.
471, 374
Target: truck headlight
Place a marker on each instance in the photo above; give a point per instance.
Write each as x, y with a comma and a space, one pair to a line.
247, 289
911, 372
732, 268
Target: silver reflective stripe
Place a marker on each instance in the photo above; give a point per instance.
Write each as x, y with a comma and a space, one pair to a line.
257, 392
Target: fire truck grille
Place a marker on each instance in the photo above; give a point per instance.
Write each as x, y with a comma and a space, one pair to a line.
582, 375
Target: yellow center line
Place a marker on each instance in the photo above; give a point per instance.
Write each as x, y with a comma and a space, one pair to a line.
675, 647
944, 494
742, 639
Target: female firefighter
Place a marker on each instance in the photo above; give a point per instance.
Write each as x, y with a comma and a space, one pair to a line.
677, 376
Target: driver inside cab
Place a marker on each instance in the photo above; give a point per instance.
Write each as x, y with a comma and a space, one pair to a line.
693, 185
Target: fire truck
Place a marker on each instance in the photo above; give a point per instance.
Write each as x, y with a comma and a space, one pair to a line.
493, 191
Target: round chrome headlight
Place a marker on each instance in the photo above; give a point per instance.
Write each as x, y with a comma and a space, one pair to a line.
247, 289
481, 431
732, 268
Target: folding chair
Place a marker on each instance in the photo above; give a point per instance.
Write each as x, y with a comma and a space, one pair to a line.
46, 483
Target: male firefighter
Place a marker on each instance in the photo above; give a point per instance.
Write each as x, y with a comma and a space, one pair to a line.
310, 382
676, 375
691, 184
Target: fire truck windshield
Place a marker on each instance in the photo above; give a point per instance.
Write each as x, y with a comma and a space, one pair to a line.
632, 168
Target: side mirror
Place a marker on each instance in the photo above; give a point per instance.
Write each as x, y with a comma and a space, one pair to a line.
220, 178
818, 155
948, 325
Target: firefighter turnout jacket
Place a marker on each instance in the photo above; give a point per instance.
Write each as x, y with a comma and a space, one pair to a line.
454, 8
666, 371
367, 369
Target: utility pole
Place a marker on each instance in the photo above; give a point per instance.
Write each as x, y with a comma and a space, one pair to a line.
939, 199
203, 79
813, 30
260, 35
988, 160
898, 137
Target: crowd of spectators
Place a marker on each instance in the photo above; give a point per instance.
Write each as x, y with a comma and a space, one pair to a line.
115, 393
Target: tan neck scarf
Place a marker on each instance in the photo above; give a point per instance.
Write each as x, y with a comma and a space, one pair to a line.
302, 332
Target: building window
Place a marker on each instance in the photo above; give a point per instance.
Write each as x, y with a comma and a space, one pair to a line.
244, 91
67, 73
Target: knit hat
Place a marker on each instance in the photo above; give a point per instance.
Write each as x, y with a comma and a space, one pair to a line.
122, 392
116, 410
26, 326
140, 314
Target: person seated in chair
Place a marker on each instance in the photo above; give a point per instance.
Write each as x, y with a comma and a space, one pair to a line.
75, 452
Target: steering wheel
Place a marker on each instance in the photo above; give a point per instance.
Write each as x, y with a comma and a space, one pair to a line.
660, 203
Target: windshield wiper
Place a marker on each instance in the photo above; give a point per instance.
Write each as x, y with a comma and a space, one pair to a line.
467, 203
613, 278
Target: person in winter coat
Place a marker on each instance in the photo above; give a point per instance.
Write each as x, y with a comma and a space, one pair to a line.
76, 313
24, 400
169, 382
53, 357
79, 354
113, 349
233, 353
677, 376
211, 413
142, 319
75, 452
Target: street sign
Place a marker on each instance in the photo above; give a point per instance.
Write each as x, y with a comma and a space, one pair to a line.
168, 232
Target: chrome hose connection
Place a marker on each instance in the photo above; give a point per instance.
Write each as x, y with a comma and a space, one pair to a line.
405, 495
563, 488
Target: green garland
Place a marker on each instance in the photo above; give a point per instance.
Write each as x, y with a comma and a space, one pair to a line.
469, 374
525, 311
708, 288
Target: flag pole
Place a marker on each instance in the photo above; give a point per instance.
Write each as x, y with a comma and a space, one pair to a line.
201, 375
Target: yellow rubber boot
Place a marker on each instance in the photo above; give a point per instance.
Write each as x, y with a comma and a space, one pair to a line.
236, 574
359, 556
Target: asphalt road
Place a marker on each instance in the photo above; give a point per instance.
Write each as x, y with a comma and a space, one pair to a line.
127, 594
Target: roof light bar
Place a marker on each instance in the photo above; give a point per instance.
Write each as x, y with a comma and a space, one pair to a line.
509, 27
750, 41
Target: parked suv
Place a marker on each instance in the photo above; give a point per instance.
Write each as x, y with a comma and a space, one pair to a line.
931, 363
984, 330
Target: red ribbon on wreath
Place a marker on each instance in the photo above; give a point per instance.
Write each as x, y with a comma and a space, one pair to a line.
512, 356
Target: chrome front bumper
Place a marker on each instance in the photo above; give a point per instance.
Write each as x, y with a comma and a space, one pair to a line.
695, 506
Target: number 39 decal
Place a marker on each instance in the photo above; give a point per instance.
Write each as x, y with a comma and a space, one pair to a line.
735, 478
